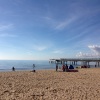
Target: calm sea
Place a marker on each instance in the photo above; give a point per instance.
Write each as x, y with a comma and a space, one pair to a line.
6, 65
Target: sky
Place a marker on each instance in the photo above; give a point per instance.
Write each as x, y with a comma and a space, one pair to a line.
46, 29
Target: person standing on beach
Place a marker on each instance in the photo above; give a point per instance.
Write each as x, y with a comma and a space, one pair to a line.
56, 67
13, 69
33, 67
63, 68
66, 68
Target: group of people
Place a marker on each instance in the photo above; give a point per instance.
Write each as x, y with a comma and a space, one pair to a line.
65, 68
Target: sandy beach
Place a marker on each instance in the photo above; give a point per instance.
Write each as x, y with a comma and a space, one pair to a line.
50, 85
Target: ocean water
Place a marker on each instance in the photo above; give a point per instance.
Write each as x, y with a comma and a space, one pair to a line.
6, 65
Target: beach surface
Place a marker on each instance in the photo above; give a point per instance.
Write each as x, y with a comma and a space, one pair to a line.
50, 85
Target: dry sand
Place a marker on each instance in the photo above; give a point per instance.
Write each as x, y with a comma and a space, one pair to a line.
50, 85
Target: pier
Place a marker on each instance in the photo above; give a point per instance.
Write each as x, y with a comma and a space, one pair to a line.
74, 61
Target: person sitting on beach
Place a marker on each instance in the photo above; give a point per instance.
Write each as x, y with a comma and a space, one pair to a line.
71, 67
13, 69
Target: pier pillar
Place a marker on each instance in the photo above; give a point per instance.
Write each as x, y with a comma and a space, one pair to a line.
98, 64
74, 62
88, 63
63, 62
70, 62
51, 61
83, 63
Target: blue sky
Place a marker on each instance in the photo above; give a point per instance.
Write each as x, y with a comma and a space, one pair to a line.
45, 29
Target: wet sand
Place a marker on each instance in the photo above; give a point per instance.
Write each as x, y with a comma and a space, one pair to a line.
50, 85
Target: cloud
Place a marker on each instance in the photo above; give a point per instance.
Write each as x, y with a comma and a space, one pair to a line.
60, 24
81, 54
47, 18
39, 47
7, 35
95, 49
60, 51
95, 52
65, 23
5, 27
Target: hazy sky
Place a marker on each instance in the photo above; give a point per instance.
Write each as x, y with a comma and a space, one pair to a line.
44, 29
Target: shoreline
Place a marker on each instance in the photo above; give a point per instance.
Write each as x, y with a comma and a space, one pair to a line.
10, 70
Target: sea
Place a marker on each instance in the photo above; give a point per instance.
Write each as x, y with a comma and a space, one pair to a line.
6, 65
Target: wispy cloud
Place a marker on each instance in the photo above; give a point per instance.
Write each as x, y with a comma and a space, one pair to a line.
39, 47
5, 27
7, 35
60, 24
59, 51
65, 23
47, 18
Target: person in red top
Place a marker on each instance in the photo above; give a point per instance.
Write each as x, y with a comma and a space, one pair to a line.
63, 68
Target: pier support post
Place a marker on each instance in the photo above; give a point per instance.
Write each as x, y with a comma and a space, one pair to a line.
70, 62
98, 64
76, 62
61, 62
88, 63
